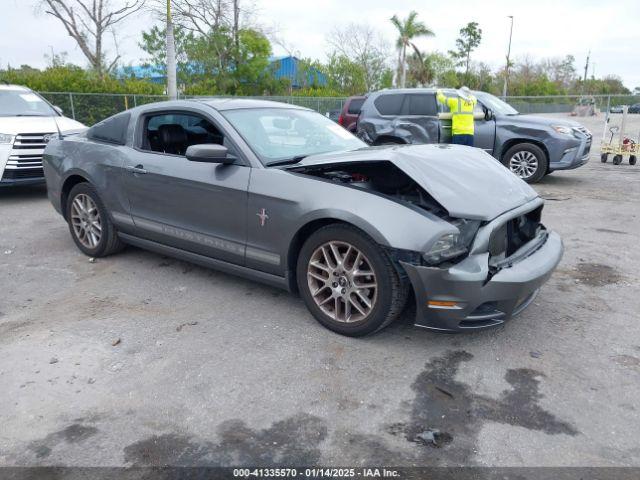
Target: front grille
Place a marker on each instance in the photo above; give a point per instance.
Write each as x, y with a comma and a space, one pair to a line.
23, 173
584, 131
25, 158
509, 237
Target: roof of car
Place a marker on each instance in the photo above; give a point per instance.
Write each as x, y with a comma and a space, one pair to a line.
20, 88
237, 103
388, 91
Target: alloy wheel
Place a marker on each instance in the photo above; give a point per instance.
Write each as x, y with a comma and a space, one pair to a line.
523, 163
342, 282
86, 222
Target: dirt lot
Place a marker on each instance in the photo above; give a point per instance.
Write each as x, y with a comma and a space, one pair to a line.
140, 359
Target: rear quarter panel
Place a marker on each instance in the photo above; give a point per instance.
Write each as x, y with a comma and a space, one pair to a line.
99, 163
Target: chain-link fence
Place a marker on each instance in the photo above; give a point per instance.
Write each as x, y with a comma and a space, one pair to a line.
90, 108
570, 103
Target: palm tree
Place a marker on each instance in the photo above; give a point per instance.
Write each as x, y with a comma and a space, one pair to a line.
408, 30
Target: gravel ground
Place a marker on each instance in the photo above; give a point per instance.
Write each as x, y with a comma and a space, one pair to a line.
139, 359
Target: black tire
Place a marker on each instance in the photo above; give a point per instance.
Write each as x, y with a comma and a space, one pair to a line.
632, 160
391, 294
528, 148
617, 159
109, 242
604, 157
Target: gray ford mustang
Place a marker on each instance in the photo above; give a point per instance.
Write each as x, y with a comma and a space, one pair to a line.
281, 194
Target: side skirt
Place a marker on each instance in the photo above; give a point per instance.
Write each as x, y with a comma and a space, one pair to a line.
267, 278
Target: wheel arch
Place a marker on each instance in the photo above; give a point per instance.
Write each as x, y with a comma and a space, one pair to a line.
69, 182
381, 139
307, 229
512, 142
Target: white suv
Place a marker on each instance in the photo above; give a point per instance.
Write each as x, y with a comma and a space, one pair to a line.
27, 122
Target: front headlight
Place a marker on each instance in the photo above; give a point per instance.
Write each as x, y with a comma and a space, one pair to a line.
453, 245
563, 129
6, 138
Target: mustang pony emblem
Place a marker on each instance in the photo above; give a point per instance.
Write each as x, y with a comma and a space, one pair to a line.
262, 215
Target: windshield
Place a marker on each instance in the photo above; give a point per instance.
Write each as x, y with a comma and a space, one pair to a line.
14, 103
495, 104
279, 134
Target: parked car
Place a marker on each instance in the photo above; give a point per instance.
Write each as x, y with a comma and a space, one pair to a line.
350, 111
280, 194
530, 146
616, 109
26, 123
635, 108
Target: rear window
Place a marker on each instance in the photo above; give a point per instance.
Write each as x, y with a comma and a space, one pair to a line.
389, 104
355, 106
423, 105
111, 130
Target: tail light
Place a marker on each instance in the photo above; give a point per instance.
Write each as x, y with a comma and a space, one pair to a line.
341, 119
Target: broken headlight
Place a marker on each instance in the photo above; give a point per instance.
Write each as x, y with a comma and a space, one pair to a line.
451, 245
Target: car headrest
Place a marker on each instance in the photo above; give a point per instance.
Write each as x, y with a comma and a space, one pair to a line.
172, 134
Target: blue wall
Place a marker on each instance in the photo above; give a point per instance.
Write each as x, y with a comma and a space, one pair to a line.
282, 67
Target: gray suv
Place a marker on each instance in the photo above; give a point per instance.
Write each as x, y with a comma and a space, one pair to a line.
530, 146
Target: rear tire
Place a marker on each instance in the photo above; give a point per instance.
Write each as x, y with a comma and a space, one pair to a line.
617, 159
333, 282
604, 157
527, 161
89, 223
632, 160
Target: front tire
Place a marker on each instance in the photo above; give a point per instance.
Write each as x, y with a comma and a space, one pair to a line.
89, 223
348, 282
527, 161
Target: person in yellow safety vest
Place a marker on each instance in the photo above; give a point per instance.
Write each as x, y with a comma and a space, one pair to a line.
461, 107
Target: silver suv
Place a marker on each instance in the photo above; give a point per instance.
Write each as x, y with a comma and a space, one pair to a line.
530, 146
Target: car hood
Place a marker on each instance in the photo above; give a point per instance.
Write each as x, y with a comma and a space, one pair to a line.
467, 182
16, 125
528, 120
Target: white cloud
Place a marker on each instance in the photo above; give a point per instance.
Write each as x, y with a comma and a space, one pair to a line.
543, 28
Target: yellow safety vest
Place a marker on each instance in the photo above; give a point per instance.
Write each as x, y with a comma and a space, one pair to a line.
461, 112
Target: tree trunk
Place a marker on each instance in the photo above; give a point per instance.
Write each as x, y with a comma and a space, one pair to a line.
403, 80
172, 84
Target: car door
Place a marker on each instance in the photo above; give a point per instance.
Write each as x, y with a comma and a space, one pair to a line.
419, 117
484, 130
194, 206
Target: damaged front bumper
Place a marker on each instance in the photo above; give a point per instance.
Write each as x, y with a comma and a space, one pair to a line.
472, 295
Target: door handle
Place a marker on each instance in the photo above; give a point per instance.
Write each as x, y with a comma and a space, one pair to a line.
137, 169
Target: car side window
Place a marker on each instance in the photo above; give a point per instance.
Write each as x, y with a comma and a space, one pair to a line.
389, 104
423, 104
174, 132
111, 130
355, 106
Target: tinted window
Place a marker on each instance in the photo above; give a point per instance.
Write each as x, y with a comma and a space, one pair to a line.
111, 130
423, 105
355, 106
389, 104
174, 132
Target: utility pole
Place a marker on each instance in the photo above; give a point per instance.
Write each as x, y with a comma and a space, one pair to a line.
506, 71
172, 84
586, 69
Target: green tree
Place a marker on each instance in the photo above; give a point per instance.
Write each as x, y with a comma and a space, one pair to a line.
469, 40
154, 44
408, 30
345, 75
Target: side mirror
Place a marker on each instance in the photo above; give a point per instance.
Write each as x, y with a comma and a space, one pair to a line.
488, 114
57, 109
209, 153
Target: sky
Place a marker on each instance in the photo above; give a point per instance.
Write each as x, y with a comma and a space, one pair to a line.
542, 28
